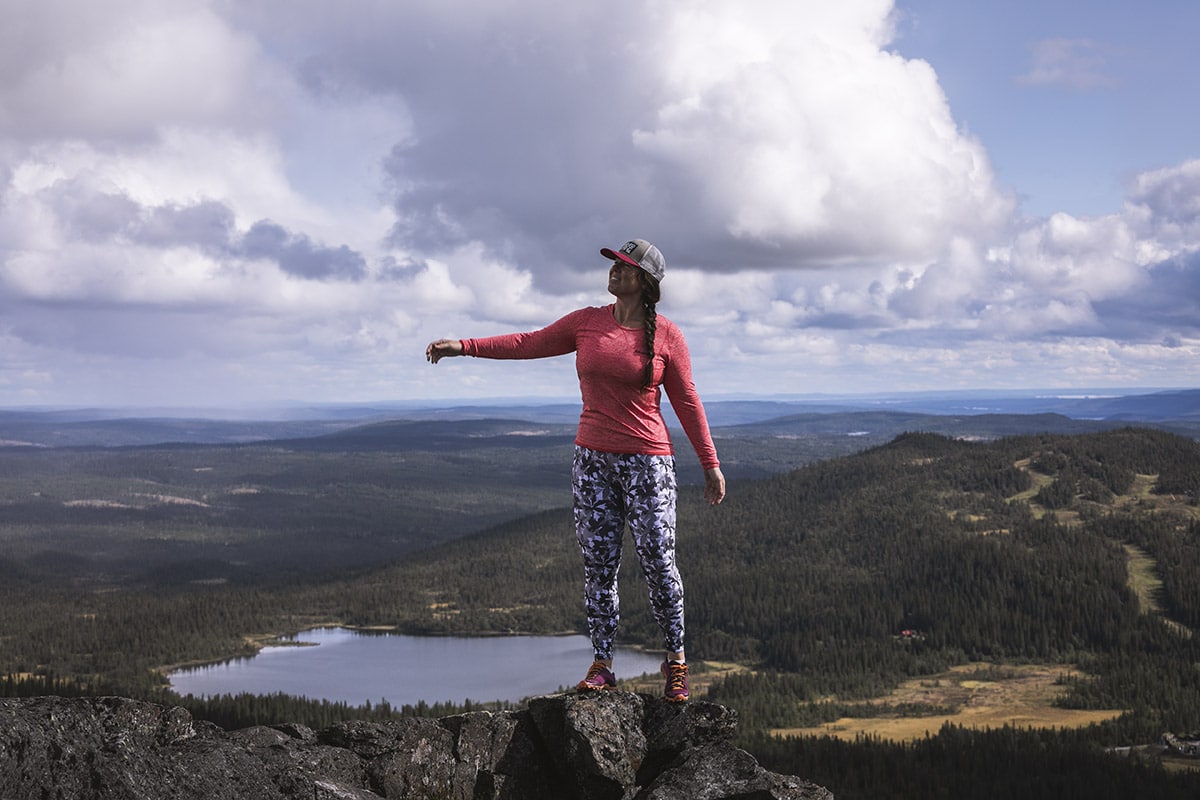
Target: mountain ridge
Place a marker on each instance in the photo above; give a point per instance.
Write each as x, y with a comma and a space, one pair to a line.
1177, 409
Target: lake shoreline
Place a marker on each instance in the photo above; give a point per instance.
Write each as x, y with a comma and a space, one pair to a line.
257, 641
358, 664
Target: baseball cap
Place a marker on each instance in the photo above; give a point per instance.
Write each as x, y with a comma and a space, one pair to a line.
640, 253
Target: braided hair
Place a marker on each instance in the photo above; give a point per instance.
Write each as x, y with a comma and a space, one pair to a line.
650, 297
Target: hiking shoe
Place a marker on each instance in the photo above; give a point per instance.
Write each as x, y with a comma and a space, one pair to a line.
677, 681
598, 677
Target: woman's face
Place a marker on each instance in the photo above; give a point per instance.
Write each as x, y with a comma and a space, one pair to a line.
624, 279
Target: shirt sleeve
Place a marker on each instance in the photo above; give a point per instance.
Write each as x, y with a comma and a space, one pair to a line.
681, 391
556, 339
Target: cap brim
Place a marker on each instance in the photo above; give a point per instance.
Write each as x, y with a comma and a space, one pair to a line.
615, 256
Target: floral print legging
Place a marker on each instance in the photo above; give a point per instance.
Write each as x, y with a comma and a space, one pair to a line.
610, 490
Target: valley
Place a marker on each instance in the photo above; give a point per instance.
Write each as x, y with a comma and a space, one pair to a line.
1049, 576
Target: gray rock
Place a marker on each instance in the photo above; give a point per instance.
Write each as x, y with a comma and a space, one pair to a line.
500, 756
716, 772
594, 739
671, 730
563, 747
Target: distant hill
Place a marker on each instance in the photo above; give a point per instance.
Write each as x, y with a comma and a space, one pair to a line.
438, 435
1175, 404
1175, 410
1181, 405
54, 429
230, 499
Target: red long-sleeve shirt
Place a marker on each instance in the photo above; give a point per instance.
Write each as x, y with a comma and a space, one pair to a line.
620, 415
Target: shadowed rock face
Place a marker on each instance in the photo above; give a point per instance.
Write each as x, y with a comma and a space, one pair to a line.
598, 746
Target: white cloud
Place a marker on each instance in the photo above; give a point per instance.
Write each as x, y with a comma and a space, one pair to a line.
760, 135
1072, 63
122, 70
1168, 201
294, 198
802, 141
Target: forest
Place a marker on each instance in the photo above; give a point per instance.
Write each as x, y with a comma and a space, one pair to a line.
1010, 550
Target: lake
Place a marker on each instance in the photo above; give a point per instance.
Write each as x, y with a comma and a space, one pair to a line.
355, 668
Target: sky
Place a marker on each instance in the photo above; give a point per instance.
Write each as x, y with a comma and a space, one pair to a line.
221, 203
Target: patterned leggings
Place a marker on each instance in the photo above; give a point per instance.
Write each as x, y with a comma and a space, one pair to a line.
610, 490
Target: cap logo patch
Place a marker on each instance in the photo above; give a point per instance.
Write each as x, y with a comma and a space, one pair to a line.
641, 253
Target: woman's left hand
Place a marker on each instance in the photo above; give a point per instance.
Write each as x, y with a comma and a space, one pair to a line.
714, 486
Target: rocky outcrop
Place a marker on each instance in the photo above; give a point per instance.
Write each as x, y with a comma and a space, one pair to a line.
599, 746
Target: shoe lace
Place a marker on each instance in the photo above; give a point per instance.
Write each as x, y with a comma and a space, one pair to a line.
677, 677
594, 670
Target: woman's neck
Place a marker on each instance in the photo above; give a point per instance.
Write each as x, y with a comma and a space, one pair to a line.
629, 313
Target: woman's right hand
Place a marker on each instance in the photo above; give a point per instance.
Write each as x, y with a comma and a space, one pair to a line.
443, 348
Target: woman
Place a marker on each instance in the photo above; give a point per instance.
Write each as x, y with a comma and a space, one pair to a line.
624, 466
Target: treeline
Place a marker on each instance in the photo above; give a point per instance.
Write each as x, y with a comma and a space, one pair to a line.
1175, 544
243, 710
999, 764
121, 638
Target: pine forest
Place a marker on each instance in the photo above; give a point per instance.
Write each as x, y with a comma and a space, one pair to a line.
813, 593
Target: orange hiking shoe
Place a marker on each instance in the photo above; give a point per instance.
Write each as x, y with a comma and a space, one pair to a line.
598, 677
676, 674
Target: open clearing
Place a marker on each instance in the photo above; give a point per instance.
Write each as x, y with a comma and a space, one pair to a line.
1022, 697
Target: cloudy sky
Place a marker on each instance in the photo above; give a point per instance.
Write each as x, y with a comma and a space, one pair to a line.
224, 203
